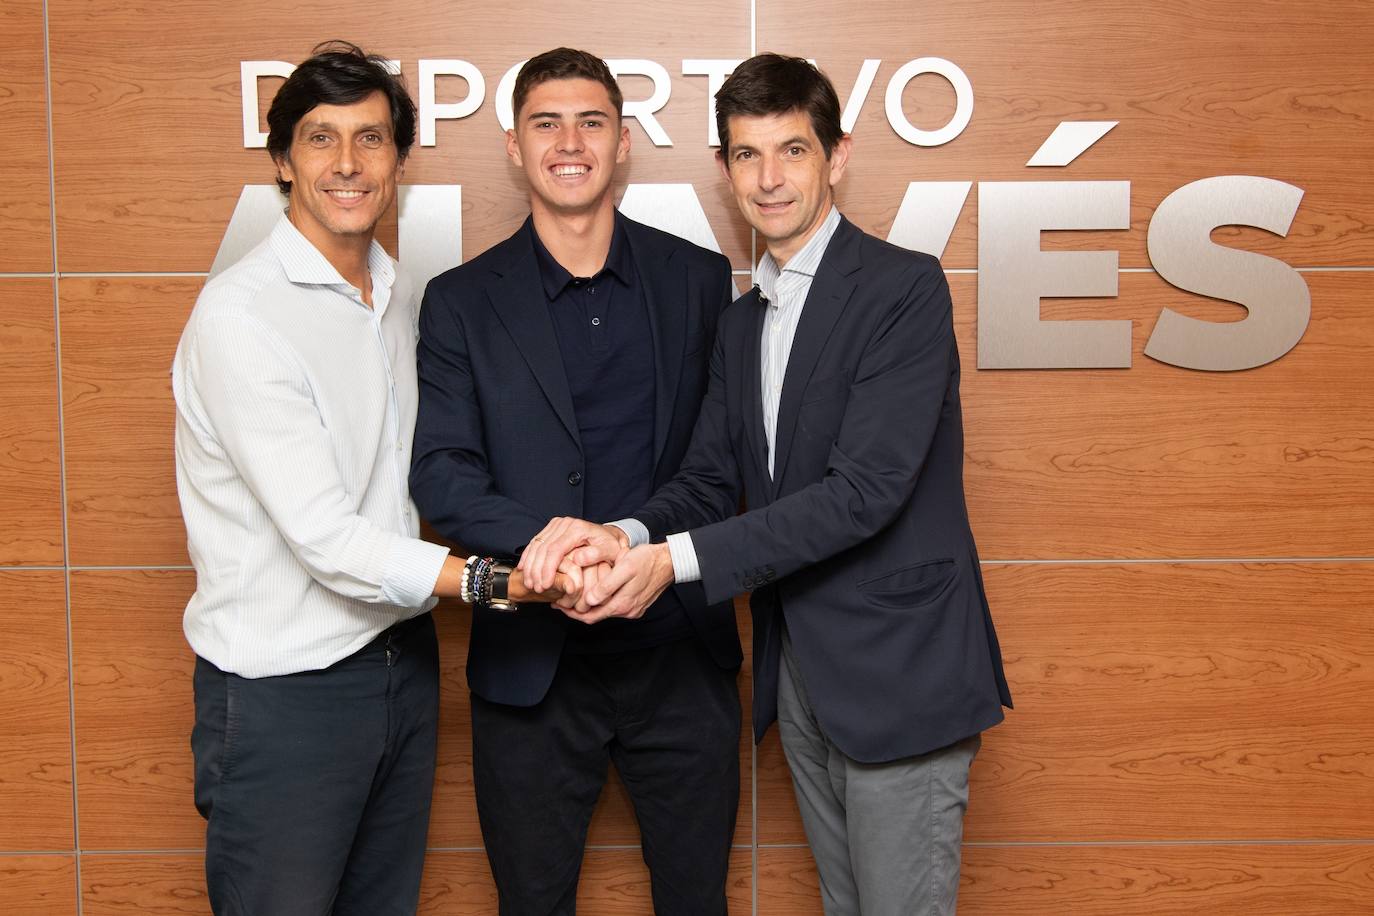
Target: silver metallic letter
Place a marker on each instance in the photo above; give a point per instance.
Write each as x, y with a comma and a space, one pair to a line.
927, 215
1014, 274
1275, 294
431, 111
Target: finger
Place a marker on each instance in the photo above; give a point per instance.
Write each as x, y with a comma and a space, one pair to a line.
531, 558
600, 550
611, 582
570, 533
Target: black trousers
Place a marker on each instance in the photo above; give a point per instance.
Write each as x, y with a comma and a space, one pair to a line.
668, 718
316, 786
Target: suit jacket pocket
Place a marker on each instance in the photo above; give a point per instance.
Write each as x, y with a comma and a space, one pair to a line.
911, 586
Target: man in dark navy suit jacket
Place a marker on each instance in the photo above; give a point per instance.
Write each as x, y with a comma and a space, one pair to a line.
561, 373
834, 403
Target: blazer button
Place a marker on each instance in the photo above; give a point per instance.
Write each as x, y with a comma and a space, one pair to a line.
574, 478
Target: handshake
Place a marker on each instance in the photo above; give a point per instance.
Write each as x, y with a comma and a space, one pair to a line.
599, 574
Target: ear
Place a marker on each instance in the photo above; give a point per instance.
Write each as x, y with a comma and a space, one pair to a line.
513, 148
724, 166
623, 148
284, 170
839, 158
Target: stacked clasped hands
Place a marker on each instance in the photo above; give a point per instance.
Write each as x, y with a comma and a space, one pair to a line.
600, 573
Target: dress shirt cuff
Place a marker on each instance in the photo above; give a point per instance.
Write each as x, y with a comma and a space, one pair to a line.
634, 529
412, 569
684, 554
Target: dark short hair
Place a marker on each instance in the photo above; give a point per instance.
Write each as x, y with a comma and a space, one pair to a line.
564, 64
337, 73
773, 84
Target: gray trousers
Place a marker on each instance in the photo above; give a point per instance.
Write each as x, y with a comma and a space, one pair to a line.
886, 837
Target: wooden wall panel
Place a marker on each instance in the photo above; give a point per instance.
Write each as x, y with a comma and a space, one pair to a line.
38, 885
1157, 461
1264, 880
134, 710
1259, 880
35, 714
188, 104
148, 885
30, 463
1199, 90
118, 340
1180, 701
1189, 736
456, 883
1159, 701
788, 885
26, 208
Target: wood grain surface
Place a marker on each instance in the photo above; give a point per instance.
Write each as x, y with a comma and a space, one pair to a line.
118, 340
134, 710
1263, 88
456, 883
1157, 461
1181, 702
30, 461
1192, 734
38, 885
183, 112
26, 206
1269, 880
35, 715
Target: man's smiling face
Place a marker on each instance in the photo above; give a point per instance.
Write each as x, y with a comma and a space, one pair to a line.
568, 140
343, 167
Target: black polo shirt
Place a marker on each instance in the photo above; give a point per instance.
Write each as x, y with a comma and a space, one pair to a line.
606, 343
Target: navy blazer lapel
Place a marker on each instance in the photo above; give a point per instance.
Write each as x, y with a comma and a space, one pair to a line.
520, 304
664, 281
830, 291
753, 380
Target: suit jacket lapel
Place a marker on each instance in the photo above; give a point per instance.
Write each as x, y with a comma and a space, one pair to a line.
753, 388
663, 279
830, 291
518, 299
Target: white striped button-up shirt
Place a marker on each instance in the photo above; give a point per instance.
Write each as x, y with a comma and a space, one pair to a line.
295, 408
785, 289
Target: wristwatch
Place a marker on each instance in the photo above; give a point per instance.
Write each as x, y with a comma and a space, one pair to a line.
500, 589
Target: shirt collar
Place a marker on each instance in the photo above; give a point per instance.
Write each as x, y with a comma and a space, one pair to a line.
802, 264
556, 278
305, 264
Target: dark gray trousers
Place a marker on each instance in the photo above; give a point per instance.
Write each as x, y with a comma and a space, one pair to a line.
316, 786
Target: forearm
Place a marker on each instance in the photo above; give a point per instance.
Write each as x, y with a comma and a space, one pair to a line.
450, 585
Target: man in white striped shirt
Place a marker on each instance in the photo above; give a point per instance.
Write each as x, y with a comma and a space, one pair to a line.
317, 666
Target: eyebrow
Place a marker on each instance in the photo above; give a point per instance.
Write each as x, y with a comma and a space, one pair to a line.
379, 127
557, 115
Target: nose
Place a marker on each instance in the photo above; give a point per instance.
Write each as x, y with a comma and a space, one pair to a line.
770, 172
346, 162
569, 139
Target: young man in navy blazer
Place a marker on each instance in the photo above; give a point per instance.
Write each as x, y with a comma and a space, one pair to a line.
834, 403
561, 373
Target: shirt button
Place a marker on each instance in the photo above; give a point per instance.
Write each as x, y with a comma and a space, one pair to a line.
596, 322
575, 478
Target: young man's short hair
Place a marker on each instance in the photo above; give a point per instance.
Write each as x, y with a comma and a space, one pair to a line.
564, 64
